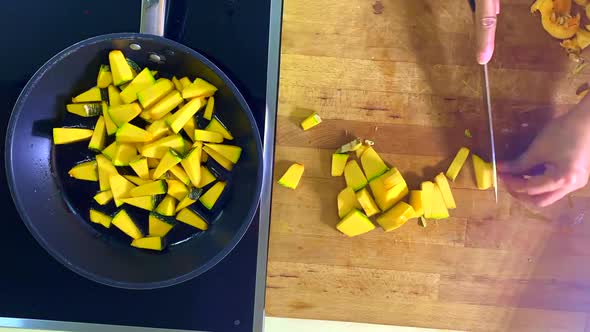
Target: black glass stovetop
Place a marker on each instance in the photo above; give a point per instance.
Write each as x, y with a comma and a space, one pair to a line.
231, 33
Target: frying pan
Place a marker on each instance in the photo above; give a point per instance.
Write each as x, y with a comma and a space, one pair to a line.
55, 209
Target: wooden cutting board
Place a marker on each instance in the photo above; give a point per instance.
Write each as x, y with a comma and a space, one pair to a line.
402, 73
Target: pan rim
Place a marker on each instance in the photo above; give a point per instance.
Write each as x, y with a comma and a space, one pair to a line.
8, 154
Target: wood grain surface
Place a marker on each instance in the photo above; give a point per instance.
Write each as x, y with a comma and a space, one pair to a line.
403, 73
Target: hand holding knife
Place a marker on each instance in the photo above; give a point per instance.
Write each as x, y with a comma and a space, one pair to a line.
486, 12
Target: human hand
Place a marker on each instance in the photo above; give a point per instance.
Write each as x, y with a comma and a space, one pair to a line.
485, 29
561, 151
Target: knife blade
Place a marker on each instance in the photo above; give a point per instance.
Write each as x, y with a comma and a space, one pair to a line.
488, 106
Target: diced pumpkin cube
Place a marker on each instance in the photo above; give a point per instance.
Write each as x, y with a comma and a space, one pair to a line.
150, 242
114, 96
416, 203
166, 105
347, 202
85, 171
143, 80
186, 202
99, 136
189, 127
124, 113
484, 173
160, 147
150, 95
338, 163
221, 160
206, 177
177, 189
120, 187
170, 159
129, 133
393, 178
91, 95
86, 110
386, 198
199, 88
209, 198
100, 218
359, 152
208, 136
230, 152
445, 189
123, 221
158, 129
177, 120
192, 164
70, 135
152, 188
209, 108
292, 176
120, 69
396, 216
103, 197
355, 223
158, 225
216, 125
167, 206
140, 167
105, 169
457, 163
350, 146
178, 173
353, 175
143, 202
125, 153
311, 121
109, 151
372, 163
367, 202
427, 198
189, 217
439, 208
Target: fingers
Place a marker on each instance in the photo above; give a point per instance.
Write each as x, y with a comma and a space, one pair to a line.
485, 29
543, 200
534, 185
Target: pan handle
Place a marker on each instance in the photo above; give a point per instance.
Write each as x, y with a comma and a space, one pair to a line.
153, 17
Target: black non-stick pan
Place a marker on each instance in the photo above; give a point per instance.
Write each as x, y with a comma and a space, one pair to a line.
55, 208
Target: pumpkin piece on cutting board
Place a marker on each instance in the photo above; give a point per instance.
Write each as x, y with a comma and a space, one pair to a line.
438, 207
70, 135
353, 145
483, 173
158, 225
556, 18
392, 178
353, 175
143, 80
85, 171
143, 202
388, 197
91, 95
347, 202
427, 197
355, 223
416, 203
292, 176
311, 121
372, 163
445, 189
457, 163
199, 88
167, 206
191, 218
209, 198
100, 218
103, 197
367, 202
396, 216
123, 221
86, 110
338, 163
149, 242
